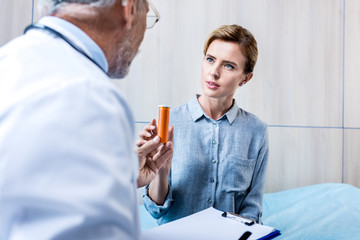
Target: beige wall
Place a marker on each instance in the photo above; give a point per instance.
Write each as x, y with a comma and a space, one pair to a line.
14, 17
351, 93
305, 84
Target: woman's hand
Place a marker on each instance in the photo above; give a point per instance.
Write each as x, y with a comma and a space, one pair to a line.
154, 157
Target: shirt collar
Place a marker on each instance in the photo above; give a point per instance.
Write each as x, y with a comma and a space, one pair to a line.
195, 109
232, 113
79, 37
197, 112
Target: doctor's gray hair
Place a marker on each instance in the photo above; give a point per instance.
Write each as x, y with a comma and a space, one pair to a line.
47, 7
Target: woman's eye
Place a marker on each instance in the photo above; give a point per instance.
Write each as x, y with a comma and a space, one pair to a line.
228, 66
210, 60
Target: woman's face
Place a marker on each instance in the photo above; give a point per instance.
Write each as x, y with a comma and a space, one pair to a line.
222, 70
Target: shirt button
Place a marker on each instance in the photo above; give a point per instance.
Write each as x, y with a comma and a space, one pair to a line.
213, 161
212, 180
213, 142
215, 125
209, 201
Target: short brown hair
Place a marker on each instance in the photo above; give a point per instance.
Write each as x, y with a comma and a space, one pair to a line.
237, 34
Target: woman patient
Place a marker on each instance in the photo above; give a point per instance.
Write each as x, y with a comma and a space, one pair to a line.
220, 150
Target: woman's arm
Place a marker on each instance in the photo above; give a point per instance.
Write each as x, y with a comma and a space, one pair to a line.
159, 187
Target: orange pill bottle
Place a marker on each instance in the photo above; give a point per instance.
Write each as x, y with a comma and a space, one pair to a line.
163, 123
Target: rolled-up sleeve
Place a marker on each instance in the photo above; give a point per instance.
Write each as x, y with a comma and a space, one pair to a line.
156, 211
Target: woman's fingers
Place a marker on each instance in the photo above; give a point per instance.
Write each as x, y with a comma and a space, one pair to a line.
149, 131
164, 155
171, 133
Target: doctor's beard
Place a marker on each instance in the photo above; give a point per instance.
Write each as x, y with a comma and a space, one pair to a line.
120, 65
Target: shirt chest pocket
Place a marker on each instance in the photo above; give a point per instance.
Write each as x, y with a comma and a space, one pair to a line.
237, 174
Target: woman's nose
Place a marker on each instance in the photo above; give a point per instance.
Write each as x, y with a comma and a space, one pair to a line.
214, 72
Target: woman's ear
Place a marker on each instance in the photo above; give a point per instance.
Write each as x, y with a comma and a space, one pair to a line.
246, 78
129, 12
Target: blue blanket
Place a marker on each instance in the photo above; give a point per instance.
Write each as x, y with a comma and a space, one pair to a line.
328, 211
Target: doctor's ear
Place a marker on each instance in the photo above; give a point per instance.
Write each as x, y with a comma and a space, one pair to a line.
246, 78
129, 12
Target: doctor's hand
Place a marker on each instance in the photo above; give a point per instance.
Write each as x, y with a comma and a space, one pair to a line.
154, 157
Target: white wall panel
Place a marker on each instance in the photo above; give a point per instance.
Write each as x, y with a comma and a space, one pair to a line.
303, 156
352, 64
352, 157
36, 11
298, 77
14, 17
351, 93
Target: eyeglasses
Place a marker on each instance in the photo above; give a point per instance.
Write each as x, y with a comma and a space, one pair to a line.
152, 17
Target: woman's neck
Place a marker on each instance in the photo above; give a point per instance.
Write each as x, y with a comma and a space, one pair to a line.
215, 107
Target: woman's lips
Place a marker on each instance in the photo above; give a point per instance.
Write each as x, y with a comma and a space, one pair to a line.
212, 85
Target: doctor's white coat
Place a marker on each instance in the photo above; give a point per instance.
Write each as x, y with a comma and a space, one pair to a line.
67, 169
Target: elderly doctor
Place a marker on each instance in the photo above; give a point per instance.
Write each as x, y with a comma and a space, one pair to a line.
67, 166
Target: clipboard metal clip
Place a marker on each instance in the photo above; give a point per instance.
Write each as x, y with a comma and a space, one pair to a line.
246, 221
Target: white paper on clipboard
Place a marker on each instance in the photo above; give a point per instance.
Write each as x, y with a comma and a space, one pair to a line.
207, 224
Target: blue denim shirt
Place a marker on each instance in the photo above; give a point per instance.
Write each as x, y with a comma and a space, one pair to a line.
218, 164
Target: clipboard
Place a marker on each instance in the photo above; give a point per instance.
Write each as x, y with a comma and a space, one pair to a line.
249, 222
211, 224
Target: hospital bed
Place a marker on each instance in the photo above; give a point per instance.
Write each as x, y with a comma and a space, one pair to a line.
329, 211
